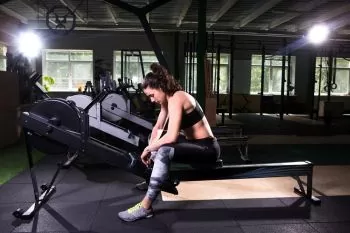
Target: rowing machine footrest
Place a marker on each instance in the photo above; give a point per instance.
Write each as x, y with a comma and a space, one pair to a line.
219, 163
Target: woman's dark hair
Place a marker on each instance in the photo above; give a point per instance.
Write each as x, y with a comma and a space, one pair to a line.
160, 78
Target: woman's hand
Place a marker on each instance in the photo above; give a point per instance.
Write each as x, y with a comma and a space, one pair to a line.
145, 156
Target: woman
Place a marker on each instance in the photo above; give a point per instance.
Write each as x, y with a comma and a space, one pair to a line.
179, 111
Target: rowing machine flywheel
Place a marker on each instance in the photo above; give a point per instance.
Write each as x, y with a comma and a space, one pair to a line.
60, 113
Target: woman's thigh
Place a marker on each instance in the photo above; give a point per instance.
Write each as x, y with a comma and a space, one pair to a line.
187, 152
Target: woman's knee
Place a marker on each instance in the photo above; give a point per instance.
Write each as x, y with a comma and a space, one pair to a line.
165, 153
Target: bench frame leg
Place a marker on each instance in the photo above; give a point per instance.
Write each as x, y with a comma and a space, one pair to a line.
243, 150
300, 190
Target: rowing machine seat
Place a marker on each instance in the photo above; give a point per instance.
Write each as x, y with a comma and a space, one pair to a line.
218, 164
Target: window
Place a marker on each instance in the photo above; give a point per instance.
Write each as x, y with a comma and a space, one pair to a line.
132, 65
3, 50
341, 76
224, 74
70, 69
273, 74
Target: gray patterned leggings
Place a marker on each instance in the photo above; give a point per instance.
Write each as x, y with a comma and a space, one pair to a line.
205, 150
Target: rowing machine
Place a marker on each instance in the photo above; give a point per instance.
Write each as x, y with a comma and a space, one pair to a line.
57, 126
126, 129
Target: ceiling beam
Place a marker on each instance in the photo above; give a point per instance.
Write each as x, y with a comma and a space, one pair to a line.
135, 21
184, 9
257, 11
78, 14
226, 5
6, 38
331, 13
295, 11
13, 14
281, 20
153, 5
112, 13
344, 32
340, 22
9, 26
36, 9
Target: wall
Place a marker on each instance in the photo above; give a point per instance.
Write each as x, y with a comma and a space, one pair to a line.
5, 38
103, 44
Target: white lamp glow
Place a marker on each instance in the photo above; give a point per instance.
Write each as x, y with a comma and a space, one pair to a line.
29, 44
318, 34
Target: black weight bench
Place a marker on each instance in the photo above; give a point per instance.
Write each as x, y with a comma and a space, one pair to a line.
233, 136
219, 171
222, 111
241, 142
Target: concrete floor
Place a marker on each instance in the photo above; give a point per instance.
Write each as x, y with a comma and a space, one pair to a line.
88, 200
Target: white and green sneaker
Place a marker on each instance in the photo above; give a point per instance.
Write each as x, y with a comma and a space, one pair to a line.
135, 213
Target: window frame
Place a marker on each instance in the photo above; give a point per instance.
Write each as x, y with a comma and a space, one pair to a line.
271, 67
3, 58
214, 73
70, 87
324, 68
146, 65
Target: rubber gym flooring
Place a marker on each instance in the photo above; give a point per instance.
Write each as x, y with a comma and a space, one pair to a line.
88, 199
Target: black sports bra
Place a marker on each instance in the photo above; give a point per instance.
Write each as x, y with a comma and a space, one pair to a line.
192, 118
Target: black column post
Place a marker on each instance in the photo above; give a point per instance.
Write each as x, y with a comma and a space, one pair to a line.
176, 58
201, 52
141, 14
232, 49
283, 79
262, 80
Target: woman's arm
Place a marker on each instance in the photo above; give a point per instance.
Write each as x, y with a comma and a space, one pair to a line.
175, 116
160, 123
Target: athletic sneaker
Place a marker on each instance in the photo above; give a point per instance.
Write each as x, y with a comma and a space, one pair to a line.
135, 213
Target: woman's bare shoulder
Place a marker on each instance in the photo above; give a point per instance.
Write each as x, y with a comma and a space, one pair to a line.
179, 96
186, 100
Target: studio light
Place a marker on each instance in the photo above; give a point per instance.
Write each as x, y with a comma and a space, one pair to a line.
29, 44
318, 34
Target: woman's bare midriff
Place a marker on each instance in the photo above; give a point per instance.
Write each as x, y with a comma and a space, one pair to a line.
197, 131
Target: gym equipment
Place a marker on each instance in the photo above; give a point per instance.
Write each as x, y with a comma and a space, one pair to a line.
57, 126
89, 89
125, 56
56, 19
138, 102
111, 115
233, 136
108, 114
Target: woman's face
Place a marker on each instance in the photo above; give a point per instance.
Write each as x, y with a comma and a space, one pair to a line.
155, 95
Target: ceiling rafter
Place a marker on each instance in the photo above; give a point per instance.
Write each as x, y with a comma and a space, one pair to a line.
35, 8
332, 13
13, 14
297, 10
257, 11
183, 12
226, 5
112, 13
78, 14
340, 22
